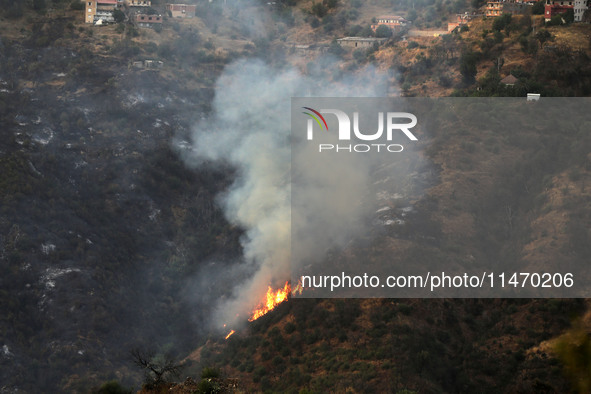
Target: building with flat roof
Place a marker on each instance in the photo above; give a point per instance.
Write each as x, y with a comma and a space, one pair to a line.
139, 3
102, 10
392, 21
555, 7
181, 10
143, 20
359, 42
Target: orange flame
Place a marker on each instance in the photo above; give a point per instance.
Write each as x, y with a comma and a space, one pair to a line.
297, 289
273, 299
230, 334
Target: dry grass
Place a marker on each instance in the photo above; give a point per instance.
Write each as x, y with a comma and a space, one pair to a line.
576, 36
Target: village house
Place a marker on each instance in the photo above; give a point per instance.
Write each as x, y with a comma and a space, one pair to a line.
139, 3
494, 8
500, 7
148, 64
99, 11
392, 21
305, 49
143, 20
181, 10
509, 80
580, 7
359, 42
461, 19
555, 7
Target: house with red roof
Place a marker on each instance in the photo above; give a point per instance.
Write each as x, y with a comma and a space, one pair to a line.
555, 7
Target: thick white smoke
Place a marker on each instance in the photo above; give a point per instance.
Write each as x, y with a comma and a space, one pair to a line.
250, 129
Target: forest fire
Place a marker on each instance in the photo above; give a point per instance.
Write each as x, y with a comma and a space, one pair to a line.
297, 289
273, 298
230, 334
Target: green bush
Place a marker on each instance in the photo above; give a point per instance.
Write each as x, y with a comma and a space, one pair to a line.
319, 10
538, 8
210, 373
468, 66
500, 22
112, 387
383, 31
77, 5
119, 16
206, 386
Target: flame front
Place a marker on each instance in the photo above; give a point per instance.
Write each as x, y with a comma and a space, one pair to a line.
298, 289
230, 334
273, 299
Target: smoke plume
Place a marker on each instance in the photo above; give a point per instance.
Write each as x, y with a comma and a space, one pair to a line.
250, 129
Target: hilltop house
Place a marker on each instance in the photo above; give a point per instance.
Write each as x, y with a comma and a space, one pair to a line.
509, 80
99, 11
181, 10
147, 64
461, 19
392, 21
139, 3
500, 7
144, 20
555, 7
305, 49
580, 7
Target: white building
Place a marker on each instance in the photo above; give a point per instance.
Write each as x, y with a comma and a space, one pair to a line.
99, 10
580, 8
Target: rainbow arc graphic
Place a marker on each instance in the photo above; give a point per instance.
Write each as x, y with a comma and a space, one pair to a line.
318, 115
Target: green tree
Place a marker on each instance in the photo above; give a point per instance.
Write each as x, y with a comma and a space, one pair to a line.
335, 48
556, 20
569, 16
543, 36
468, 66
77, 5
383, 31
112, 387
39, 5
119, 16
500, 22
319, 10
538, 8
157, 370
210, 373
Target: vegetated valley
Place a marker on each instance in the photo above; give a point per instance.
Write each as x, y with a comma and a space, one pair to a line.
104, 229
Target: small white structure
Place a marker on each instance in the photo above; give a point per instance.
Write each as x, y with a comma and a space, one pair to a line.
579, 9
533, 97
